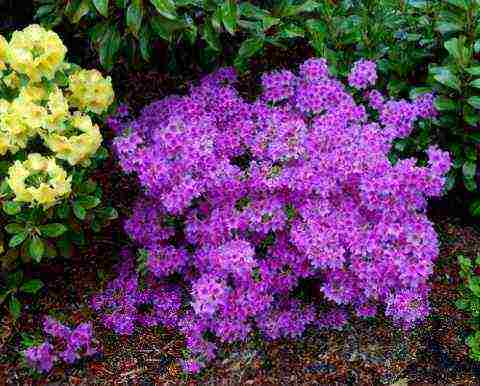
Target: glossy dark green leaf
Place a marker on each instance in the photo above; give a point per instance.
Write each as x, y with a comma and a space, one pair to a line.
52, 230
17, 239
14, 228
475, 71
14, 279
109, 47
229, 16
36, 248
475, 207
32, 286
14, 307
88, 202
12, 207
475, 83
144, 41
445, 104
165, 8
448, 79
250, 47
211, 37
101, 6
135, 16
79, 211
474, 101
448, 27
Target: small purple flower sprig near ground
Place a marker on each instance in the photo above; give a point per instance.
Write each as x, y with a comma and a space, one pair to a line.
242, 201
62, 344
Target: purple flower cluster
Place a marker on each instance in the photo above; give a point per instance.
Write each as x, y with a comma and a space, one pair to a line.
64, 344
363, 74
242, 200
126, 302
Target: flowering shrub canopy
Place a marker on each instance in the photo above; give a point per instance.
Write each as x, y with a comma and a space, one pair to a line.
243, 200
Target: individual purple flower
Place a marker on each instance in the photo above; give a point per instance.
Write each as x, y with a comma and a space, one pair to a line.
363, 74
278, 85
314, 69
40, 357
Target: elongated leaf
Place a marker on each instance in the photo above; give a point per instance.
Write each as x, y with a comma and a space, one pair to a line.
475, 71
229, 16
79, 211
52, 230
14, 228
32, 286
211, 37
458, 3
17, 239
447, 27
475, 207
12, 207
36, 248
135, 16
475, 83
453, 46
14, 307
250, 47
102, 7
165, 8
474, 102
445, 104
109, 47
448, 79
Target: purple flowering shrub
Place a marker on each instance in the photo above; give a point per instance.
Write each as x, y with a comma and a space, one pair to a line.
242, 200
63, 344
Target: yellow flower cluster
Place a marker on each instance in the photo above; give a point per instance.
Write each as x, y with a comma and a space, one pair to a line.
36, 53
38, 180
52, 101
90, 91
78, 147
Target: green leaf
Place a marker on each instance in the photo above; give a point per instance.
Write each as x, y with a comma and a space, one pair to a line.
17, 239
447, 78
36, 248
165, 8
79, 211
211, 37
12, 207
121, 3
32, 286
292, 31
474, 101
144, 41
135, 16
109, 46
14, 307
229, 16
458, 3
52, 230
475, 71
454, 48
475, 207
448, 27
250, 47
63, 211
469, 168
475, 83
89, 202
102, 7
14, 228
445, 104
307, 6
14, 279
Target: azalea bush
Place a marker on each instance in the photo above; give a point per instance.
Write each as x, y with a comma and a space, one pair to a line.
245, 202
49, 144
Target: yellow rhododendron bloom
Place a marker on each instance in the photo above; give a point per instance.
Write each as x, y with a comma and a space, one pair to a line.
90, 91
58, 110
38, 180
78, 142
36, 52
20, 120
3, 53
33, 93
